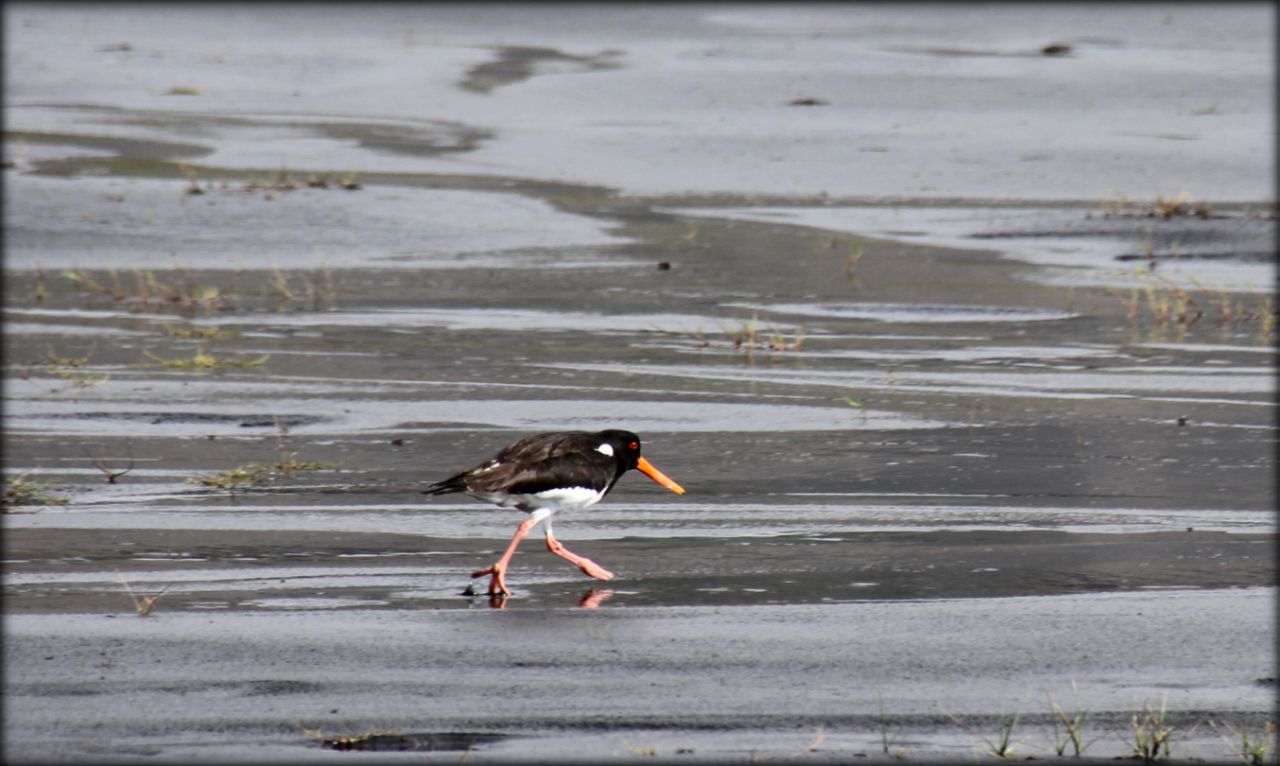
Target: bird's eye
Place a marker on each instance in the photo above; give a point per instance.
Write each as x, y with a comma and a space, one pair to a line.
634, 445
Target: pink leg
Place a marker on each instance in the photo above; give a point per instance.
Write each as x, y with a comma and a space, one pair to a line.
498, 584
587, 566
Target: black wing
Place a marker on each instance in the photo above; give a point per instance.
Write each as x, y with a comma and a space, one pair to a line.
537, 463
541, 447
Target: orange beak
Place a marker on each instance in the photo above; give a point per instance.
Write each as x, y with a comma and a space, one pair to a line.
646, 468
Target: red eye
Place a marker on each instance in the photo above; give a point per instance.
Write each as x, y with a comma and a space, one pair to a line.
634, 445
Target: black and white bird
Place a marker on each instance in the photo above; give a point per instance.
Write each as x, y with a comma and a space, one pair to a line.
547, 473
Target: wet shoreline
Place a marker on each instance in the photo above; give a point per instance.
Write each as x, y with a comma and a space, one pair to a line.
967, 426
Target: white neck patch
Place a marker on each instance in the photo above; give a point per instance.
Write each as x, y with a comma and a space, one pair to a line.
605, 449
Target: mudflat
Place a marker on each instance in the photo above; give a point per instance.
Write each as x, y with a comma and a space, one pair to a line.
966, 441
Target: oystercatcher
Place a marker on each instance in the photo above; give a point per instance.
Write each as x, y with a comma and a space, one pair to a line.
547, 473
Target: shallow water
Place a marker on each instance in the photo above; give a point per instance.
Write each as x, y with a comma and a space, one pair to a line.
939, 453
1118, 247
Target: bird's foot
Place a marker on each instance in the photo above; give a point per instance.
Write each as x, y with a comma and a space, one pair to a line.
593, 569
497, 582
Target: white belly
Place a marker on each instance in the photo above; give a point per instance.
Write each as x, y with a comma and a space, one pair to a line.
566, 499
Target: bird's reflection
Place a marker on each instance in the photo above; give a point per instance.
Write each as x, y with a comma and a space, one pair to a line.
594, 597
591, 599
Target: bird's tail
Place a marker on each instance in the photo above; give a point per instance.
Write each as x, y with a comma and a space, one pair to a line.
448, 486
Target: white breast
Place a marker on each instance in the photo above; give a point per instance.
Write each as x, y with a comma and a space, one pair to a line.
564, 499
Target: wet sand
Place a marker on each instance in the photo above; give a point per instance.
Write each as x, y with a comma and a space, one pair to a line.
950, 453
559, 683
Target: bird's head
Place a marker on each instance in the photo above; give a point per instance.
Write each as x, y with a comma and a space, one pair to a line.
625, 447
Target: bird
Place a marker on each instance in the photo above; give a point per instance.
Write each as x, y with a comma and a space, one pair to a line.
546, 473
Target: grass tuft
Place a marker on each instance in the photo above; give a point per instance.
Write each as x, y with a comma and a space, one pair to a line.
71, 369
1164, 208
1250, 748
112, 474
150, 293
199, 333
143, 604
1165, 306
749, 337
1003, 745
21, 491
281, 284
888, 742
1072, 731
202, 361
258, 474
371, 740
183, 294
640, 749
819, 736
851, 266
40, 291
1152, 733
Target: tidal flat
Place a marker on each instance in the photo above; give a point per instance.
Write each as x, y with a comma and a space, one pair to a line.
965, 439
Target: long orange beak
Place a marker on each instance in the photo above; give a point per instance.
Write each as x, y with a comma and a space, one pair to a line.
646, 468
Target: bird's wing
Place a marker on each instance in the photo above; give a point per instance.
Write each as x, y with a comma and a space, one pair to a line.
547, 446
535, 463
563, 469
